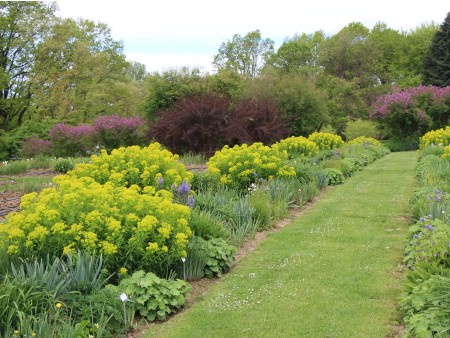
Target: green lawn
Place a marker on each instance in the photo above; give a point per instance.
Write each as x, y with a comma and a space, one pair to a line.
333, 272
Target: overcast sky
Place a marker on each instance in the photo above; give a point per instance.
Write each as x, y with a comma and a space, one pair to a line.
168, 34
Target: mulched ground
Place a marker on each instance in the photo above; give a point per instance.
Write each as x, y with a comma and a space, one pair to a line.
9, 201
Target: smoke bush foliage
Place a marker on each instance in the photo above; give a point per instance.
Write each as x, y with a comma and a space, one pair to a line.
205, 123
257, 121
113, 131
71, 140
195, 123
413, 111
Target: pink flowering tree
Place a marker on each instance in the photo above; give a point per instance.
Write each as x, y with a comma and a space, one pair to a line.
34, 146
71, 140
113, 131
413, 111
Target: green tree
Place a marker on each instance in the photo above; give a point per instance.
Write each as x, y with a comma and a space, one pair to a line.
349, 54
76, 72
245, 55
166, 88
415, 47
22, 25
299, 54
436, 69
386, 45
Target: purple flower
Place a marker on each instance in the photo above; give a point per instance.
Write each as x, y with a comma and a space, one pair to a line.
430, 216
437, 191
184, 188
415, 236
422, 218
191, 201
429, 227
160, 181
437, 198
173, 186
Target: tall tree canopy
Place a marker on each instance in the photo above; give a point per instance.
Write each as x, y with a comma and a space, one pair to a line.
76, 69
299, 54
22, 26
436, 70
246, 55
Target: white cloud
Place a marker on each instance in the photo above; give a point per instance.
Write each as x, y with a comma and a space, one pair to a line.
178, 30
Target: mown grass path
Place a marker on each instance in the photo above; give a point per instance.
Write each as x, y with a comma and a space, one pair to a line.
332, 272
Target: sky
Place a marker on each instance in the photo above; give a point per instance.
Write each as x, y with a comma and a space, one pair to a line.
168, 34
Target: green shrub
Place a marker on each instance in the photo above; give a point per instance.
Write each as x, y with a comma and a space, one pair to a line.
431, 150
358, 128
439, 137
63, 166
154, 298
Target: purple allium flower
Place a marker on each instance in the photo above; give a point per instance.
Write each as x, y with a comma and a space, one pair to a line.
437, 191
191, 201
437, 198
429, 227
415, 236
430, 216
160, 181
184, 188
422, 219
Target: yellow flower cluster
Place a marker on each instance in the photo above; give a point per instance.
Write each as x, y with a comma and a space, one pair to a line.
242, 165
150, 166
364, 140
326, 141
81, 214
297, 146
439, 137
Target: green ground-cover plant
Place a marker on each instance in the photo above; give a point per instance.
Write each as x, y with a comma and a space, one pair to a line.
334, 175
152, 297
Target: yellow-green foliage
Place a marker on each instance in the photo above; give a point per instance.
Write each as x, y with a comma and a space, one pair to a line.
242, 165
446, 153
297, 146
149, 166
365, 141
326, 141
131, 227
440, 137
